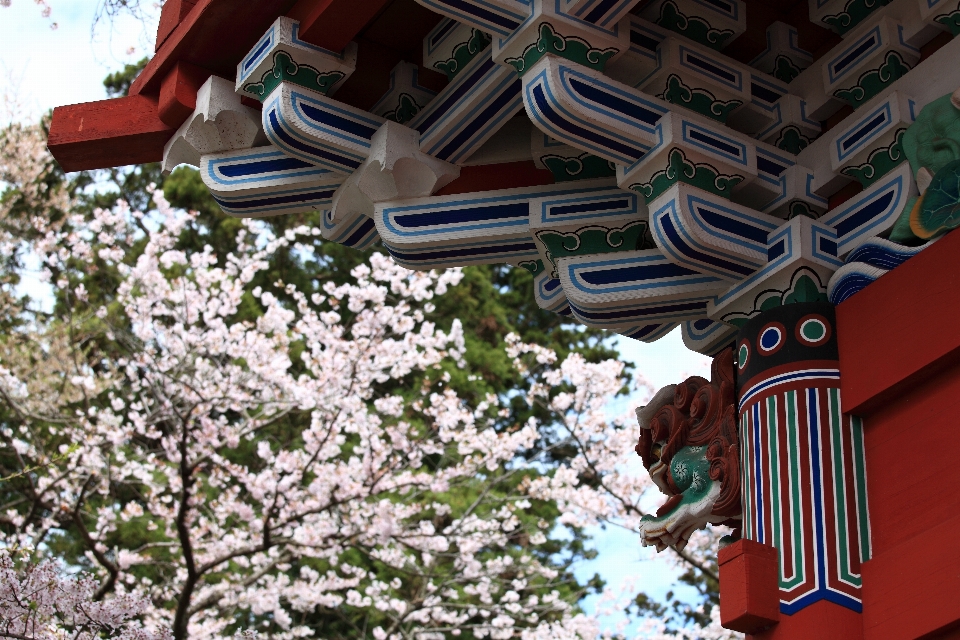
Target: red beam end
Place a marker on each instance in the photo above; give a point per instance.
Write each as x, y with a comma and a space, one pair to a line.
178, 92
749, 586
108, 133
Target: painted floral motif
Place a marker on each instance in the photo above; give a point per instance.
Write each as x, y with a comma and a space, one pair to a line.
407, 107
699, 100
463, 53
285, 69
579, 167
693, 27
592, 240
784, 69
853, 14
571, 48
791, 140
679, 169
880, 162
873, 82
950, 21
805, 286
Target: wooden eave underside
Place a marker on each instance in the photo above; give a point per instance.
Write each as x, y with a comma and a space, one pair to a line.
214, 35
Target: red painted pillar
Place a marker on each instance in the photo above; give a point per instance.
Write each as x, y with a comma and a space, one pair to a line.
803, 479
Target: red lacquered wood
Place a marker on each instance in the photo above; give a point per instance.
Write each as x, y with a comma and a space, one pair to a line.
913, 590
172, 14
820, 621
215, 34
749, 596
902, 329
911, 586
108, 133
487, 177
332, 24
178, 93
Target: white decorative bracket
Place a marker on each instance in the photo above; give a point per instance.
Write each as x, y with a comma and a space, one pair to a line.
219, 123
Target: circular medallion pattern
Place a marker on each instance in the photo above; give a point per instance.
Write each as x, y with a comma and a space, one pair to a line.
743, 355
771, 338
813, 330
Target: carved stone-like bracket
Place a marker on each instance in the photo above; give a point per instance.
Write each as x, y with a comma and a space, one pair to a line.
396, 169
219, 123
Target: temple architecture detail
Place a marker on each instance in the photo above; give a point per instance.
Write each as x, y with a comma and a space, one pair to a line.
775, 180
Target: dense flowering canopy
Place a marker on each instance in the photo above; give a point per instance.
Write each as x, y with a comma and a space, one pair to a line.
213, 473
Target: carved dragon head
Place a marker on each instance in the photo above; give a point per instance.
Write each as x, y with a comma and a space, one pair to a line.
690, 446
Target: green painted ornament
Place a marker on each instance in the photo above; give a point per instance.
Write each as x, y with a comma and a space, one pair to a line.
853, 14
285, 69
693, 27
579, 167
407, 108
699, 100
791, 140
463, 53
571, 48
679, 169
873, 82
784, 69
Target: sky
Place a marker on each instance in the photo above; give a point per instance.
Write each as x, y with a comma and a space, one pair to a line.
44, 68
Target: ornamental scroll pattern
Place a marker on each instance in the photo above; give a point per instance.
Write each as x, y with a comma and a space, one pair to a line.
689, 444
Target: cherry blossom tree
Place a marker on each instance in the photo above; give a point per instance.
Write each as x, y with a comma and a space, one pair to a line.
215, 455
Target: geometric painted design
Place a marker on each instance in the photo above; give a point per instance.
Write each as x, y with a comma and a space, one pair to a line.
803, 471
259, 182
805, 490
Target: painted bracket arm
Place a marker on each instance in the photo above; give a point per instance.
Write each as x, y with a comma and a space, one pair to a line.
634, 288
487, 227
499, 17
801, 257
703, 232
872, 212
588, 111
259, 182
308, 125
482, 97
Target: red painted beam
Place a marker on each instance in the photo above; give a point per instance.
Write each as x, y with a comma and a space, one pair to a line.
912, 312
108, 133
508, 175
215, 35
172, 14
178, 92
332, 24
